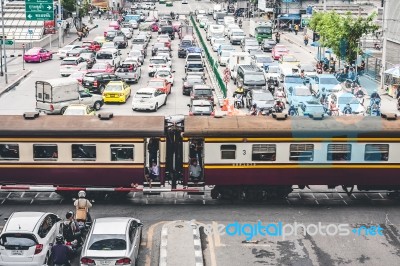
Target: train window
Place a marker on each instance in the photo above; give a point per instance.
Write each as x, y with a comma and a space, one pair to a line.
9, 152
339, 152
121, 152
264, 152
376, 152
301, 152
83, 152
45, 152
228, 152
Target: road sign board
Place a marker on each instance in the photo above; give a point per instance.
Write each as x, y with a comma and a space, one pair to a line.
39, 10
7, 42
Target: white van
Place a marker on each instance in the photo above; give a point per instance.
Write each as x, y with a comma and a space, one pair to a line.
111, 56
215, 31
228, 20
236, 59
217, 8
229, 27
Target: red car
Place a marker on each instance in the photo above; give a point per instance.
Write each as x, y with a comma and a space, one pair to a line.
154, 27
102, 68
37, 54
278, 51
91, 45
176, 25
159, 83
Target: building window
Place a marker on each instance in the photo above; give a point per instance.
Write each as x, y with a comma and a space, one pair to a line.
121, 152
228, 152
339, 152
301, 152
45, 152
9, 152
83, 152
376, 152
264, 152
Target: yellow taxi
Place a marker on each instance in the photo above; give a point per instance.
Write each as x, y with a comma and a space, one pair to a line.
289, 60
116, 92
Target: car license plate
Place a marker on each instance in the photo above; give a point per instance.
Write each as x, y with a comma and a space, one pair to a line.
87, 83
105, 262
17, 252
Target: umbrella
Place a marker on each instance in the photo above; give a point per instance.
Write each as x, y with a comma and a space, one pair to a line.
395, 71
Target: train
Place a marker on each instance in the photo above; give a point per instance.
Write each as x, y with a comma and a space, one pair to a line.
255, 156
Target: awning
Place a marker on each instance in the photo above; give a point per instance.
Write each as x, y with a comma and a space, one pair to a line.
290, 17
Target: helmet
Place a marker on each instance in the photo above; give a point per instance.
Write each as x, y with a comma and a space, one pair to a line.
69, 214
59, 239
348, 104
81, 194
254, 105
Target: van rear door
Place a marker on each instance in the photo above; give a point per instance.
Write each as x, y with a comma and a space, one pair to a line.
44, 95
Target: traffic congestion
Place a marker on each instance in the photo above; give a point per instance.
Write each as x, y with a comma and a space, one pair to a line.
180, 96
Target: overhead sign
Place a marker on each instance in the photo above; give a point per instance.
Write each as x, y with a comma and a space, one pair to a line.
7, 42
39, 10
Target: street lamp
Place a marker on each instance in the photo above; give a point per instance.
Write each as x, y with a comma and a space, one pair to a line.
3, 45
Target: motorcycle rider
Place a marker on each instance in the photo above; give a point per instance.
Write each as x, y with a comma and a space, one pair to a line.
280, 95
347, 109
83, 204
71, 231
254, 110
305, 40
279, 106
239, 90
240, 23
60, 252
277, 37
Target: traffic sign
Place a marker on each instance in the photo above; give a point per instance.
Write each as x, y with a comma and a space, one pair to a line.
7, 42
39, 10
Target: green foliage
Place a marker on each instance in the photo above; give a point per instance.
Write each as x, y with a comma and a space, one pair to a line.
69, 5
333, 28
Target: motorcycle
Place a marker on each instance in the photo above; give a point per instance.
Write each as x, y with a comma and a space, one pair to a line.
267, 112
277, 38
278, 107
293, 111
240, 24
238, 101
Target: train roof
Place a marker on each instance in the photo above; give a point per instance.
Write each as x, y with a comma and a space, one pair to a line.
292, 127
81, 126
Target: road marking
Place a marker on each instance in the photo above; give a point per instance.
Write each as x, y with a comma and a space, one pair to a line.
149, 243
215, 232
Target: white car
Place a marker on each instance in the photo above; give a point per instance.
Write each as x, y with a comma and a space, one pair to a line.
132, 60
157, 62
148, 99
223, 57
261, 59
134, 24
70, 65
217, 42
27, 238
62, 53
109, 45
165, 73
167, 56
112, 241
128, 32
137, 53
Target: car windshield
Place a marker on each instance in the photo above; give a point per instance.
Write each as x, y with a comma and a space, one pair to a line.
141, 94
331, 81
104, 56
194, 80
308, 68
302, 92
74, 111
113, 87
254, 77
203, 92
159, 45
155, 84
273, 69
289, 59
225, 53
315, 109
227, 47
107, 242
238, 33
32, 52
251, 43
138, 41
108, 45
346, 100
99, 66
202, 109
119, 39
264, 59
111, 33
297, 80
86, 55
219, 41
18, 241
163, 73
88, 78
195, 65
281, 50
158, 61
135, 53
262, 97
69, 62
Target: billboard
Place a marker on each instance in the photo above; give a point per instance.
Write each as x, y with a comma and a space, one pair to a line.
100, 3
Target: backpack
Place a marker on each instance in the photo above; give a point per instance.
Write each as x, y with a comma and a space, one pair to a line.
67, 232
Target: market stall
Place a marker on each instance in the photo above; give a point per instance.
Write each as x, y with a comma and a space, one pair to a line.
392, 81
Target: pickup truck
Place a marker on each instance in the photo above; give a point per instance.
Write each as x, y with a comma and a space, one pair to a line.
129, 72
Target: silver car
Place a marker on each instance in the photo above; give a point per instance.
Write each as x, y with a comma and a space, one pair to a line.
112, 241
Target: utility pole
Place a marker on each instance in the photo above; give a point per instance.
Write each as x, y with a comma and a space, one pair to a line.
60, 31
325, 5
4, 43
384, 32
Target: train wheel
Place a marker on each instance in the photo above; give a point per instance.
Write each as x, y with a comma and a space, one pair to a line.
346, 189
215, 193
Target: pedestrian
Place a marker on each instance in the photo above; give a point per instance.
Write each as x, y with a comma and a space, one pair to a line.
99, 12
305, 40
296, 28
290, 27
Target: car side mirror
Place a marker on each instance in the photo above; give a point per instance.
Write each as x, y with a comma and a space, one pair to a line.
188, 105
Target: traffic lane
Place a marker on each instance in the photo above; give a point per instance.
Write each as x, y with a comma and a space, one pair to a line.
271, 250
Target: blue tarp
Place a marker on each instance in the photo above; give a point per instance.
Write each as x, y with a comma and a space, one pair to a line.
194, 50
290, 17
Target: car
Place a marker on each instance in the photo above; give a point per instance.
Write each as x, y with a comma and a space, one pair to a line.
217, 42
121, 42
248, 44
169, 3
111, 56
278, 51
100, 39
155, 47
164, 50
272, 72
167, 30
134, 24
129, 72
165, 73
96, 82
37, 54
202, 92
155, 63
111, 34
77, 52
184, 2
70, 65
78, 76
262, 60
311, 108
226, 47
201, 107
62, 53
109, 45
79, 109
133, 60
343, 98
140, 40
162, 1
288, 59
89, 57
27, 238
236, 36
190, 80
116, 91
95, 45
263, 98
194, 66
267, 45
223, 57
299, 94
101, 67
308, 69
293, 81
203, 22
127, 32
149, 99
115, 25
139, 47
160, 83
324, 83
112, 241
138, 54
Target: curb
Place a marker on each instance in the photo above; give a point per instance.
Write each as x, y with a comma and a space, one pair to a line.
15, 82
163, 247
198, 254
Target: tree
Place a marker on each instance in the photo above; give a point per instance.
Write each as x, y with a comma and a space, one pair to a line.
69, 5
336, 29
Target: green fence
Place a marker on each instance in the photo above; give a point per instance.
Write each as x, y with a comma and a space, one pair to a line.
213, 63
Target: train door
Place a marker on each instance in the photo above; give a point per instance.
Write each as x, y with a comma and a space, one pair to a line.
152, 170
196, 162
174, 149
